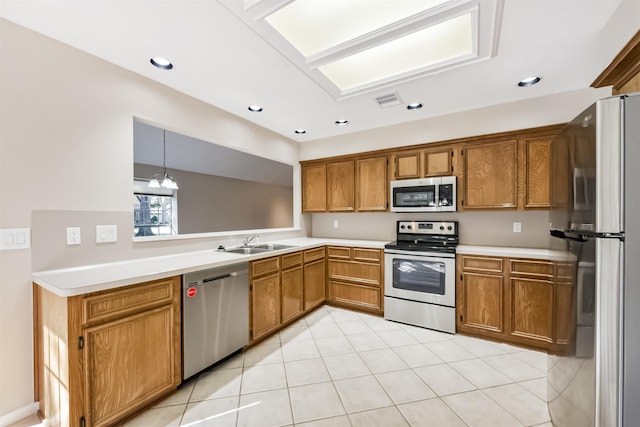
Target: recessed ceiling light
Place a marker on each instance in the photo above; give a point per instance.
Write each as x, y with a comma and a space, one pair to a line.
529, 81
300, 131
414, 106
342, 122
255, 108
162, 63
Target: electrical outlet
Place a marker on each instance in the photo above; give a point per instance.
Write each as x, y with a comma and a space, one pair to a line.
73, 236
517, 227
336, 224
106, 233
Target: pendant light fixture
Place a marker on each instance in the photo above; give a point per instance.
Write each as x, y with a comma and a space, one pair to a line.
167, 180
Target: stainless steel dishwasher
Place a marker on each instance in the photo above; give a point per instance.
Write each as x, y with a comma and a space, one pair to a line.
215, 315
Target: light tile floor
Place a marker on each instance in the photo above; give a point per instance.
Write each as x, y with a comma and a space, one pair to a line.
337, 367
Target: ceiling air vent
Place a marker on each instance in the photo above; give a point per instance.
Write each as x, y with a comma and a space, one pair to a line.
389, 100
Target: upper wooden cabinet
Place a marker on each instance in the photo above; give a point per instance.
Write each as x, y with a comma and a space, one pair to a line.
358, 184
371, 184
437, 162
314, 187
490, 173
505, 171
423, 163
537, 170
407, 165
623, 73
341, 186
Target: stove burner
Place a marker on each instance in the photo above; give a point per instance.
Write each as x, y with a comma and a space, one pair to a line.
426, 236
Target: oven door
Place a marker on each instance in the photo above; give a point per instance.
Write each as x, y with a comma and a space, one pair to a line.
421, 277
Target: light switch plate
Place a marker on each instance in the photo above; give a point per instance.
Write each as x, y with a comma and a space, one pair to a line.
517, 227
73, 236
106, 233
15, 238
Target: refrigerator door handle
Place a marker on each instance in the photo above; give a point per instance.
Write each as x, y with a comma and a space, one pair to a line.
566, 236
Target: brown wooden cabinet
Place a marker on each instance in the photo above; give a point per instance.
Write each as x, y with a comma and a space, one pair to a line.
480, 294
490, 174
535, 162
355, 278
438, 162
423, 163
341, 186
314, 278
519, 301
265, 297
371, 184
407, 165
314, 187
103, 356
284, 288
532, 294
292, 286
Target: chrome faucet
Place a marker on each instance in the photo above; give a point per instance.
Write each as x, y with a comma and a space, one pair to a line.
248, 238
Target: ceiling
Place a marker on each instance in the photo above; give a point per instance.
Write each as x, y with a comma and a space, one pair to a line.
223, 55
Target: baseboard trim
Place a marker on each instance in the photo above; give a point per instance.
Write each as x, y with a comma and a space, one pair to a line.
19, 414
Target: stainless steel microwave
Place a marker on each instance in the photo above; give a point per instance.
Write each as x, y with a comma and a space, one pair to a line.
423, 195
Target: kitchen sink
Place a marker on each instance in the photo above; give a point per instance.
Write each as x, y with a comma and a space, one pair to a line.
258, 249
273, 246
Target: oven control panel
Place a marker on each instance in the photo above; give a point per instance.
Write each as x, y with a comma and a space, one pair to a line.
446, 228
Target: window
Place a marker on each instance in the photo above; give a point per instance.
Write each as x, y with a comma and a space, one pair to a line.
155, 211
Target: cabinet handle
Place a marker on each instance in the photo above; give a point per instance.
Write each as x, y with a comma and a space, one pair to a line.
80, 343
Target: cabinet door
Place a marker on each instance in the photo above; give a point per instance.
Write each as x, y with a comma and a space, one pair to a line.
537, 173
482, 302
292, 293
314, 188
265, 305
532, 309
314, 284
127, 363
340, 186
352, 294
407, 165
371, 184
490, 176
438, 162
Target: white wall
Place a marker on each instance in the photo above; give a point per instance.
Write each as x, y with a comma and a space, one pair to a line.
66, 150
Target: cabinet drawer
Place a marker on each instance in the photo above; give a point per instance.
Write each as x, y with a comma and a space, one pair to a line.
532, 268
339, 252
265, 266
291, 260
313, 254
365, 273
361, 295
371, 255
105, 305
482, 263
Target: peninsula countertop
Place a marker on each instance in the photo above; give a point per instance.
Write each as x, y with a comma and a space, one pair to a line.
81, 280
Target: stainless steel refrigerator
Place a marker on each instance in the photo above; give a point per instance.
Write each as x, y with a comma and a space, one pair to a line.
595, 198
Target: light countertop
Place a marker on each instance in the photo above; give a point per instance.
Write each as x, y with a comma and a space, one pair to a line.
512, 252
74, 281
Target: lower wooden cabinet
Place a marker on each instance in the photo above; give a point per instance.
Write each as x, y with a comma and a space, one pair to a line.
315, 278
103, 356
514, 300
284, 288
292, 286
355, 278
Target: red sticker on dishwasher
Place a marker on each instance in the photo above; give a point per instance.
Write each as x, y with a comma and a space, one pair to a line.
191, 292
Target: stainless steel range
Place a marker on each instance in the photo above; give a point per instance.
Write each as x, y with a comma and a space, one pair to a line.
420, 266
